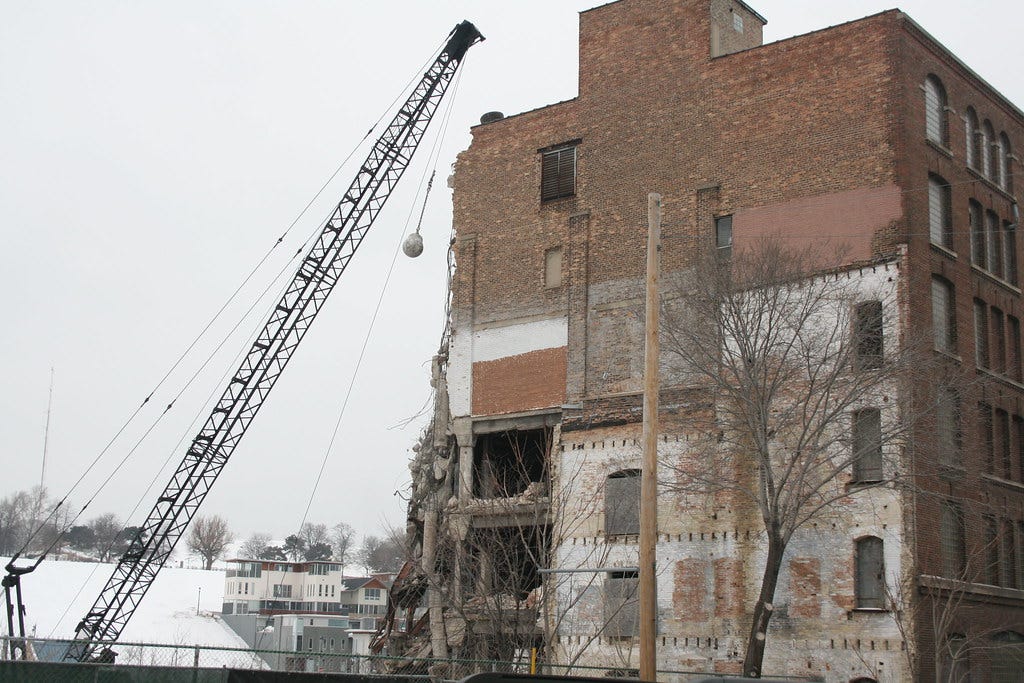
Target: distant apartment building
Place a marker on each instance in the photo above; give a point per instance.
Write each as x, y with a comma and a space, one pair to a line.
870, 135
306, 607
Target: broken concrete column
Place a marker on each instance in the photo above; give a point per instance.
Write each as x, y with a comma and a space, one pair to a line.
464, 437
428, 560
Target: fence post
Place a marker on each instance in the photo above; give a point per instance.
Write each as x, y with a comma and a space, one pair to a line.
195, 659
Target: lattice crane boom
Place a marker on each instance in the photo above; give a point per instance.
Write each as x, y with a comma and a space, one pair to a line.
269, 355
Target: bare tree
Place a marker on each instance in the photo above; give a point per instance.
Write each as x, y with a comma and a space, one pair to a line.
943, 612
382, 553
787, 361
106, 528
14, 522
342, 539
312, 534
208, 538
255, 546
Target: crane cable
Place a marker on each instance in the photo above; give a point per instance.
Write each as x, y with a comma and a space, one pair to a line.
131, 418
434, 155
204, 409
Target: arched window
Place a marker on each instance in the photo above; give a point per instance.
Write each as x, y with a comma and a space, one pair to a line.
870, 573
972, 129
1005, 170
622, 503
940, 211
1007, 657
935, 120
987, 138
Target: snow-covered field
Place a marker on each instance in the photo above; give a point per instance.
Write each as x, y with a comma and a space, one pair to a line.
58, 594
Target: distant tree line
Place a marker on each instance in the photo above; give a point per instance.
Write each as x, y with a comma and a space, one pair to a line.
315, 542
105, 537
24, 513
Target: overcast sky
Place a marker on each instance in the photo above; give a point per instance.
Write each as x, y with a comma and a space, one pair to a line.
151, 153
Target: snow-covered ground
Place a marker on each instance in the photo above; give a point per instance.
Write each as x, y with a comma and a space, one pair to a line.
58, 594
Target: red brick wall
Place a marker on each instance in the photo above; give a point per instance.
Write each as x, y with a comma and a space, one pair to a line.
518, 383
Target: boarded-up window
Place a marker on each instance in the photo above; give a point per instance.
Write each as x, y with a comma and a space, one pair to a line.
947, 427
553, 268
558, 173
867, 445
981, 356
951, 540
940, 220
621, 604
943, 315
622, 503
869, 335
870, 573
935, 111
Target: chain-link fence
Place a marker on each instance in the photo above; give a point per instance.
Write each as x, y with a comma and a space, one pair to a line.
170, 662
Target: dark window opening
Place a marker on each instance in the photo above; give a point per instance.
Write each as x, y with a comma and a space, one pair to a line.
558, 173
869, 335
505, 464
622, 503
723, 236
867, 445
506, 560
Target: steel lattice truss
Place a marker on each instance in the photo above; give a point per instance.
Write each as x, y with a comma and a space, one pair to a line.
269, 354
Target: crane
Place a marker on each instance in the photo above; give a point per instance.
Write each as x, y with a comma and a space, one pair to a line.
266, 359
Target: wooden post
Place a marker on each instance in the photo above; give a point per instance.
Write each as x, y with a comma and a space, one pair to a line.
649, 471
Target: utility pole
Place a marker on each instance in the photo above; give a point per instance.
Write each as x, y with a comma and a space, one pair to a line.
649, 470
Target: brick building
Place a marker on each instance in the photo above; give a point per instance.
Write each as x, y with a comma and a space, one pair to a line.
870, 135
